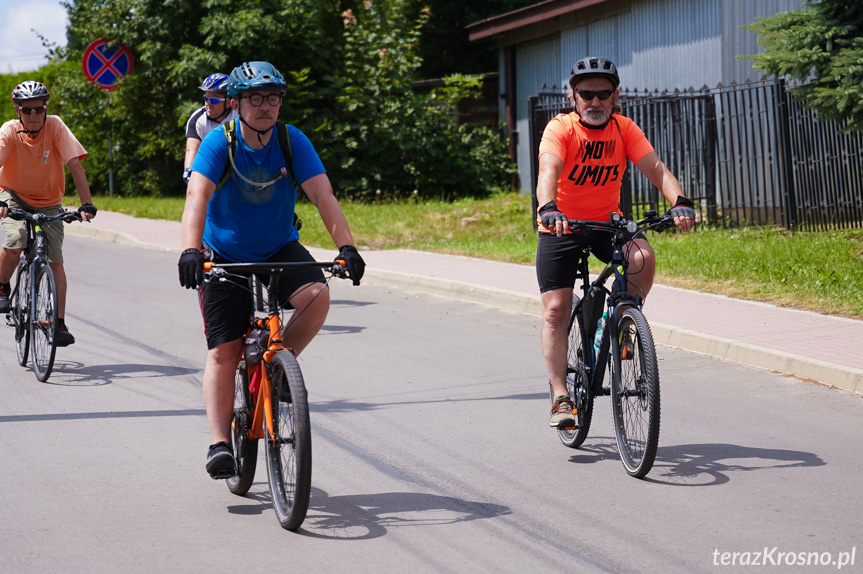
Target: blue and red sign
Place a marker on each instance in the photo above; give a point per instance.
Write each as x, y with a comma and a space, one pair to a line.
105, 64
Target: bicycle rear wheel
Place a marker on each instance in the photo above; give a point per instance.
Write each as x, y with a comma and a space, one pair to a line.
44, 322
20, 311
246, 449
289, 456
635, 393
577, 382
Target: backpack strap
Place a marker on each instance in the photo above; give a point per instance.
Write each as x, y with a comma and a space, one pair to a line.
229, 130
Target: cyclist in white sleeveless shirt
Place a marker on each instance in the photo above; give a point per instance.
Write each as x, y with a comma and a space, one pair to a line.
215, 112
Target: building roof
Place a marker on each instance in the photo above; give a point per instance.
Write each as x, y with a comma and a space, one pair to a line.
525, 16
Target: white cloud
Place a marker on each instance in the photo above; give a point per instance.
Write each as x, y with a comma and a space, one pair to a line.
20, 48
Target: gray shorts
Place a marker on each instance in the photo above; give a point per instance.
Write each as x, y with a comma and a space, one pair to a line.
16, 231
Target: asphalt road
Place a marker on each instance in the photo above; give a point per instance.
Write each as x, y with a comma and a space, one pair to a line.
431, 450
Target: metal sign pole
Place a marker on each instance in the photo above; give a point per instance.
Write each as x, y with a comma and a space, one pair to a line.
110, 160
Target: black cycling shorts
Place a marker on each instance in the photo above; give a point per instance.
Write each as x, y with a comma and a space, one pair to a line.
557, 257
227, 306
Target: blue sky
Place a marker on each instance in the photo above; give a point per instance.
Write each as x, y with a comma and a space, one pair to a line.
20, 48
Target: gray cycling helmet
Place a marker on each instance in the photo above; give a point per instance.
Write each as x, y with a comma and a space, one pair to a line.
216, 82
30, 90
593, 67
251, 76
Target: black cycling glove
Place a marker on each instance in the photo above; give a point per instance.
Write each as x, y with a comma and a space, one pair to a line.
549, 214
191, 267
354, 262
3, 204
187, 175
88, 208
683, 208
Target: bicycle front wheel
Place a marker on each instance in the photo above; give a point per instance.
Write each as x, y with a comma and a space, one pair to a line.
289, 455
635, 393
577, 382
43, 324
20, 311
246, 449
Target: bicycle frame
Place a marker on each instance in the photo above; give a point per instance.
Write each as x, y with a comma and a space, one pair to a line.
273, 325
619, 293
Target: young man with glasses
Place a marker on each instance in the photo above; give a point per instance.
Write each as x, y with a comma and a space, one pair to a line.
249, 219
216, 111
582, 157
33, 150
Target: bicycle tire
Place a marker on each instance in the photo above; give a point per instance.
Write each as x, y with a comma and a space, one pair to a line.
20, 311
246, 448
43, 322
289, 457
577, 382
635, 393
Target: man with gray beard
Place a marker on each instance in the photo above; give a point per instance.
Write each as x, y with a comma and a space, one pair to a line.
582, 157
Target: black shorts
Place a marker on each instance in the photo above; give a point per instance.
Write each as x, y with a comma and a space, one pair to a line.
557, 257
227, 306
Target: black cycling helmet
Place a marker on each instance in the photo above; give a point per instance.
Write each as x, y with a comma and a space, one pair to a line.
30, 90
593, 67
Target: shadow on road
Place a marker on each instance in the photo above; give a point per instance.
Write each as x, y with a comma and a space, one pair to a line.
701, 464
367, 516
69, 373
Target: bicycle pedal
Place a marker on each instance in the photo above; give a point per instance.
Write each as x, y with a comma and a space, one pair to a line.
223, 475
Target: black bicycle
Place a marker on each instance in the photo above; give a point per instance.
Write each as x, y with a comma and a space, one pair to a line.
625, 345
33, 301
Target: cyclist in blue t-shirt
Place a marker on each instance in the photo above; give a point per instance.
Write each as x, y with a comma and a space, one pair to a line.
249, 218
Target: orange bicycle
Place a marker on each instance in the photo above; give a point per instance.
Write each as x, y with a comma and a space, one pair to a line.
270, 399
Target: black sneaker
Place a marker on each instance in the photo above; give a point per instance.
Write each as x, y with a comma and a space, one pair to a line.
5, 290
220, 461
62, 336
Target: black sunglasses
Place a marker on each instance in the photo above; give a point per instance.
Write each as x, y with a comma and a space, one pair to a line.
588, 95
38, 110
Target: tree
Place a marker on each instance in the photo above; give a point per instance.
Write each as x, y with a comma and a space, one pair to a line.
348, 87
821, 44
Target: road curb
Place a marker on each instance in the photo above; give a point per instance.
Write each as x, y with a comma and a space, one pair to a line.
84, 230
839, 376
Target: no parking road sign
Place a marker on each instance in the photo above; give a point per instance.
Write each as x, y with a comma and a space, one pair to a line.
105, 64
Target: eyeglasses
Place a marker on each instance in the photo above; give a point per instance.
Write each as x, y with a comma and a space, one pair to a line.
214, 100
38, 110
257, 99
588, 95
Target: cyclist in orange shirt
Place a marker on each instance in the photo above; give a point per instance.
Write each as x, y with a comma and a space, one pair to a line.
582, 157
33, 150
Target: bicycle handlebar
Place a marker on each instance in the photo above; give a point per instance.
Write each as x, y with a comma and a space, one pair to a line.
618, 224
41, 218
338, 267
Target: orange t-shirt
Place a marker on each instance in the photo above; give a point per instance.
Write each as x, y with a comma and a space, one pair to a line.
593, 163
33, 169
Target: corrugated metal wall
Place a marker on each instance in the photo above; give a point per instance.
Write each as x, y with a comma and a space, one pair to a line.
656, 44
537, 64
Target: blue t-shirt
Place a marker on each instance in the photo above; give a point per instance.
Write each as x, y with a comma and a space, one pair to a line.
246, 223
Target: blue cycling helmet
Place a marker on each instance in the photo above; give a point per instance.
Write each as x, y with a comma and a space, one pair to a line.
255, 76
216, 82
593, 67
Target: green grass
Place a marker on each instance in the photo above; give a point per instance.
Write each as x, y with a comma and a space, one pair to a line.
820, 271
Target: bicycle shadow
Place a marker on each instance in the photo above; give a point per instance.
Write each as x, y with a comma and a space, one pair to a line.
368, 516
73, 373
709, 464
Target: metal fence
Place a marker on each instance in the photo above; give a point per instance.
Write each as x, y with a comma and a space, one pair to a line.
746, 154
